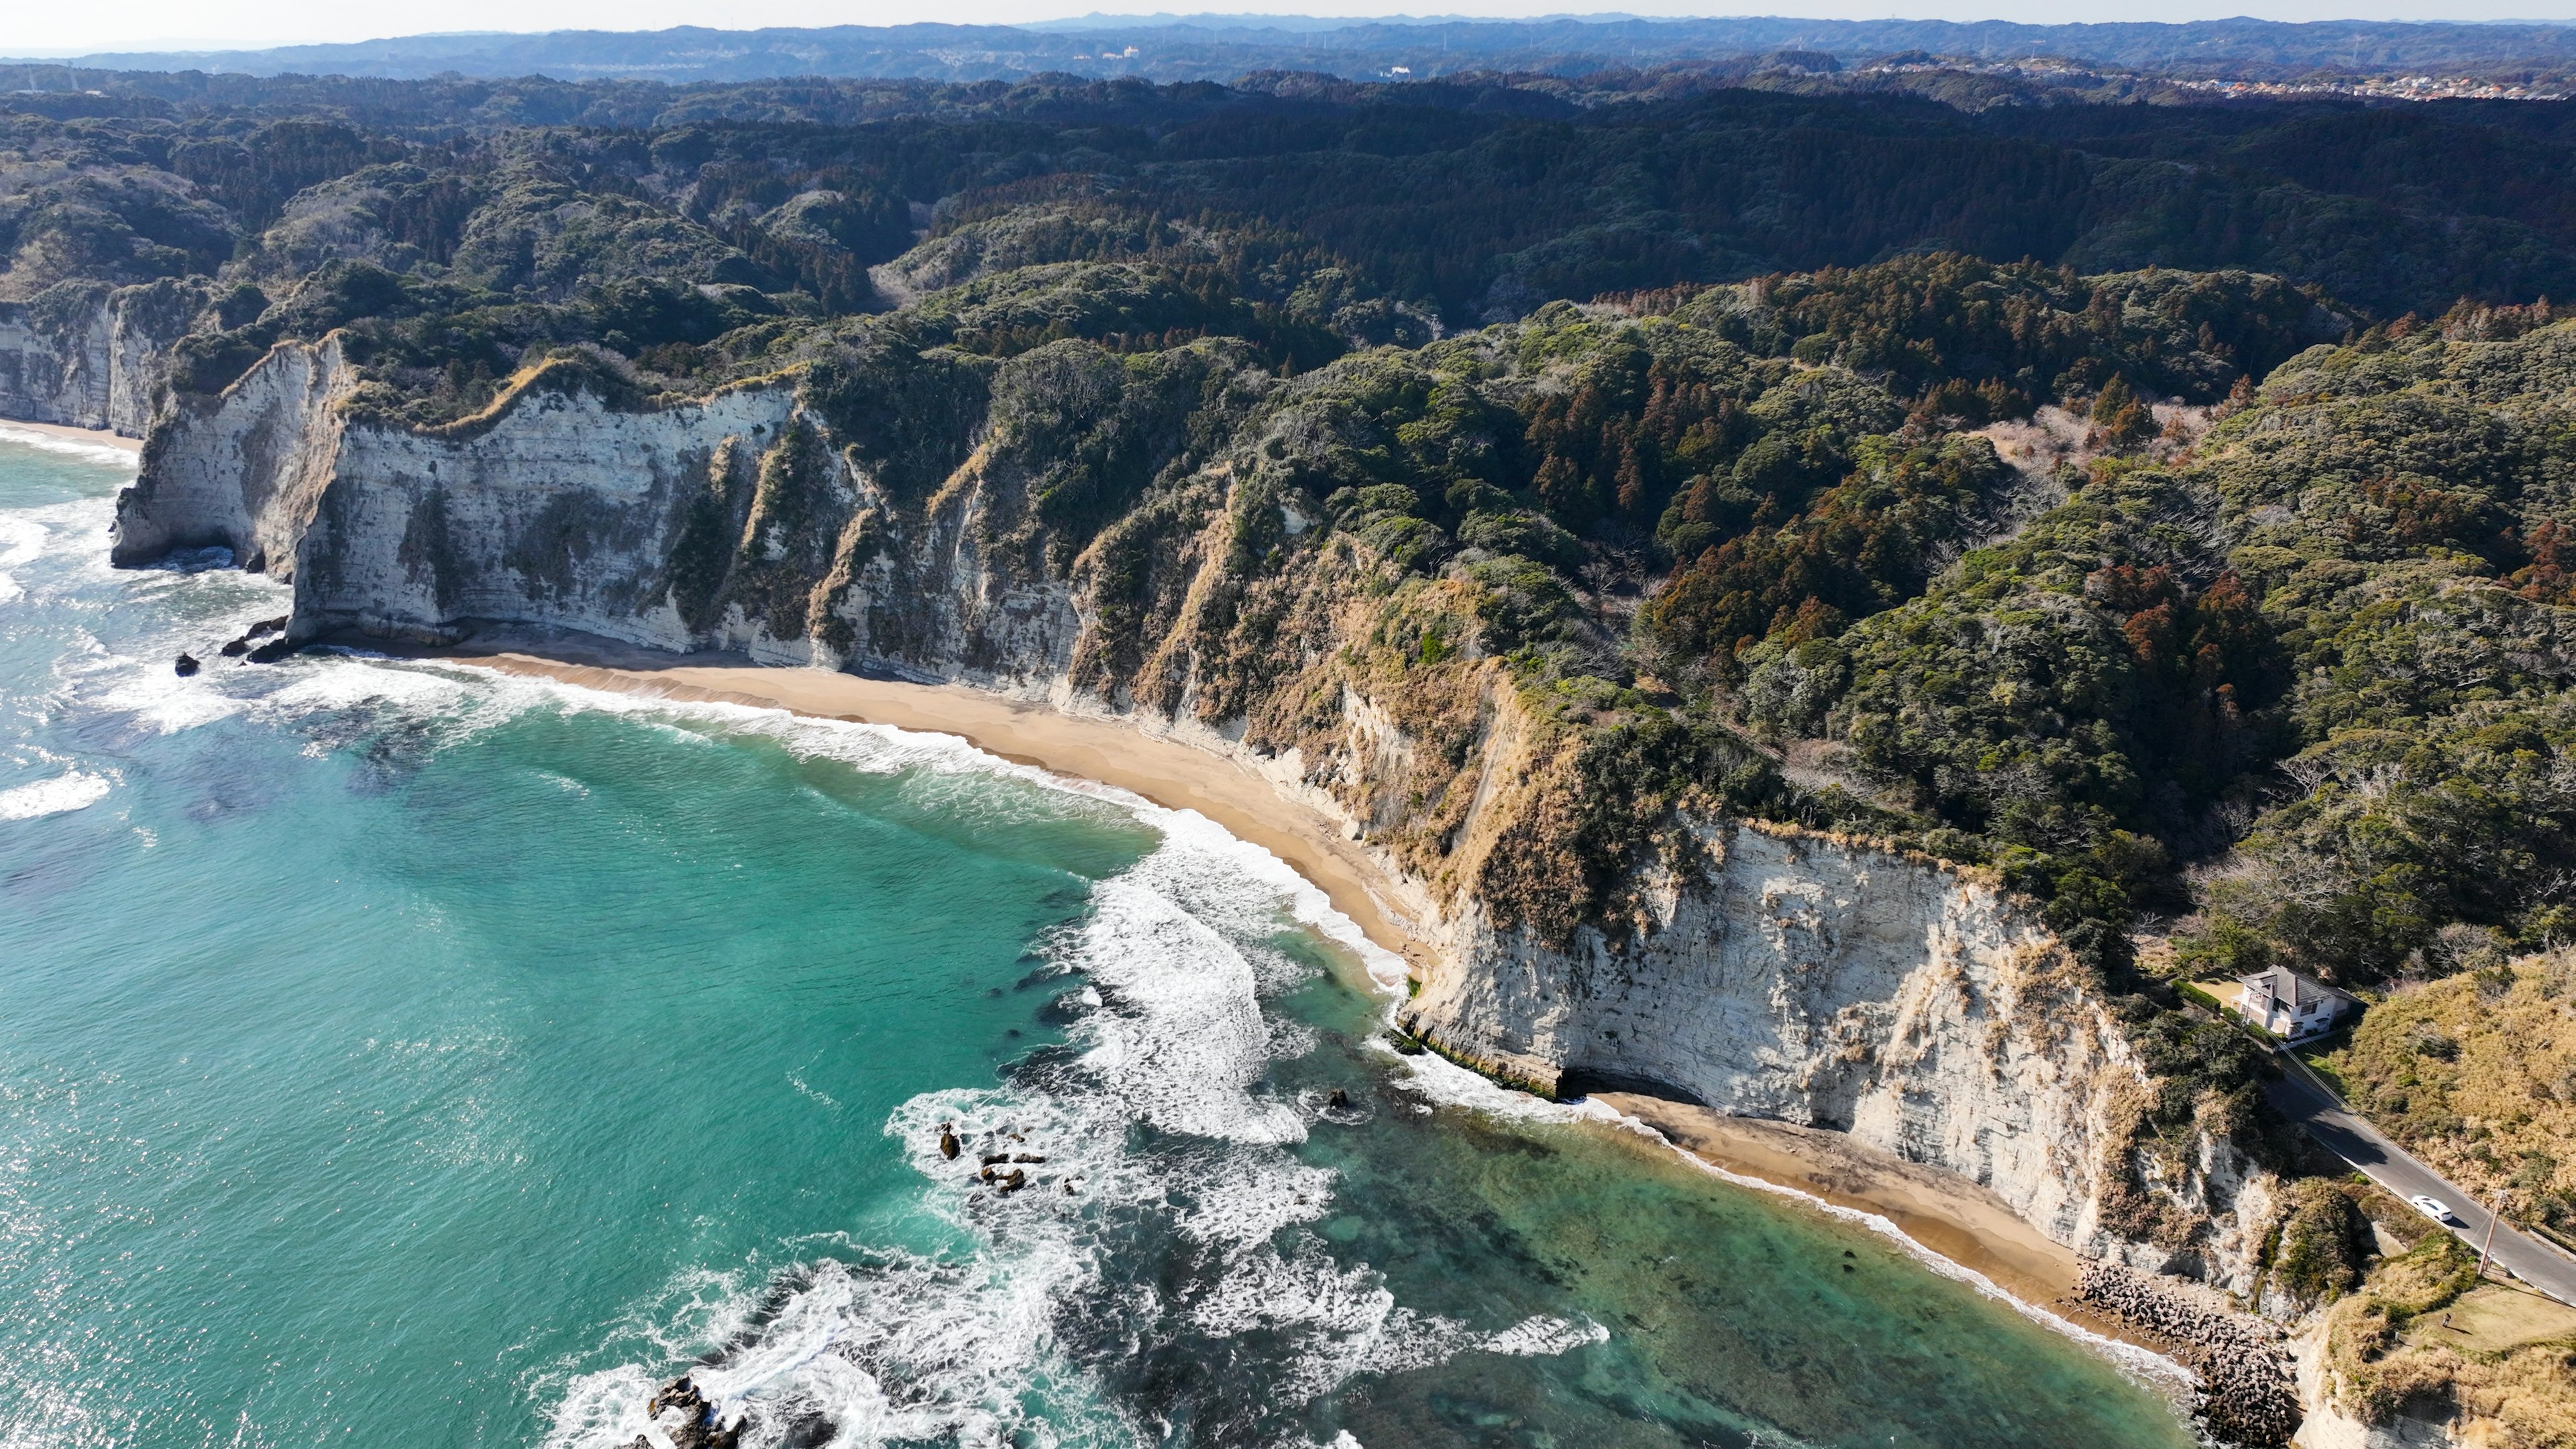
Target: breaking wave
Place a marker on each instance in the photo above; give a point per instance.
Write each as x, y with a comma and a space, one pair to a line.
69, 791
1166, 1212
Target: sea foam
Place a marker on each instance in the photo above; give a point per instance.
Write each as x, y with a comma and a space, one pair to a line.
1156, 1128
69, 791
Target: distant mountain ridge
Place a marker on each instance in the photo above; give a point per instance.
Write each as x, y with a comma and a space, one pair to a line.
1170, 48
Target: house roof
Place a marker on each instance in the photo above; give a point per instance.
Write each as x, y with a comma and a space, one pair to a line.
2288, 987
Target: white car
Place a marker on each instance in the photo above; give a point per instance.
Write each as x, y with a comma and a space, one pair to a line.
2434, 1208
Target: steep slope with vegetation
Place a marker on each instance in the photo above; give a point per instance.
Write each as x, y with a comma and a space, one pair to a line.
1488, 597
1915, 666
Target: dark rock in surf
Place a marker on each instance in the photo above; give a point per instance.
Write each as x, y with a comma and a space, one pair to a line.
679, 1393
1339, 1099
270, 652
948, 1146
184, 665
697, 1428
267, 626
234, 649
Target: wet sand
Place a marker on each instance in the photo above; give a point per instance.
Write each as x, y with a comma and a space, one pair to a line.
1166, 771
99, 436
1945, 1213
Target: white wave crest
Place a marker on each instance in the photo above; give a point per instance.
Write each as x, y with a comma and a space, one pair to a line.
72, 790
895, 1349
1179, 952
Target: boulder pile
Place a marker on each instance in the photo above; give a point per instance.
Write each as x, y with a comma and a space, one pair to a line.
2248, 1394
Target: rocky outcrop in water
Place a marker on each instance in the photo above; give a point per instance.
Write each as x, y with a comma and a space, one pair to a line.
682, 1412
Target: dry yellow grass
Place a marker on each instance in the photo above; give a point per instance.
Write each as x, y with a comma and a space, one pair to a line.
2477, 1075
2389, 1351
2496, 1318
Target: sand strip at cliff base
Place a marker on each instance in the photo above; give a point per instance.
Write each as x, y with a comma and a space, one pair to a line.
98, 436
1944, 1212
1166, 771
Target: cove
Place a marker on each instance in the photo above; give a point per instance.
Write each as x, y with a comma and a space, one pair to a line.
394, 1054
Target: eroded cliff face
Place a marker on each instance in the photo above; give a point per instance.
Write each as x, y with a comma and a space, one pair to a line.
1805, 978
559, 512
1758, 970
242, 470
90, 356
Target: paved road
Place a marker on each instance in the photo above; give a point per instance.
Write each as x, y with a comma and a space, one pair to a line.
2306, 1102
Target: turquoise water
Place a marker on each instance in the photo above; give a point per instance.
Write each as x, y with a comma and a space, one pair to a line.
393, 1055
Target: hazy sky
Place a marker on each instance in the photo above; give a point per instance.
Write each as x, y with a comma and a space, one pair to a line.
34, 27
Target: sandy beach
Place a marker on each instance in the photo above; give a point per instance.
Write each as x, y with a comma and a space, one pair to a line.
100, 436
1166, 771
1943, 1212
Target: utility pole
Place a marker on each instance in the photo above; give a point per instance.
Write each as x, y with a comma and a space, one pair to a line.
2489, 1245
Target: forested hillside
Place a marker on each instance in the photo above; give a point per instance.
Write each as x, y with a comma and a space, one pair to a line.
2171, 510
1468, 201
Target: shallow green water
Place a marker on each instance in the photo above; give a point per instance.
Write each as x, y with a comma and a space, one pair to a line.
391, 1055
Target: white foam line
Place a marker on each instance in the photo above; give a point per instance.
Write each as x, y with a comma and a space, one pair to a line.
1307, 903
1448, 1083
58, 796
53, 443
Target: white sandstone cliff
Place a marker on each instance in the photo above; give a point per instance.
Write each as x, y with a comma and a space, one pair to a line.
241, 470
1819, 981
1778, 974
92, 357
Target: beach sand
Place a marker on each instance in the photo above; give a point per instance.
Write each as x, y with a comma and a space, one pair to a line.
1945, 1213
100, 436
1166, 771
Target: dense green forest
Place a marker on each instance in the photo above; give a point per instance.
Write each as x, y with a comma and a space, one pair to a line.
2169, 507
1469, 200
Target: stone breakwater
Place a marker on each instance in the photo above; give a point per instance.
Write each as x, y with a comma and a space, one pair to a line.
2249, 1394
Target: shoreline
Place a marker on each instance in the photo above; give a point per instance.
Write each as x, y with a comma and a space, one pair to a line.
96, 437
1168, 772
1944, 1214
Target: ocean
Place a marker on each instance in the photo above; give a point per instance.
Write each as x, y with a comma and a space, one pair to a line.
394, 1054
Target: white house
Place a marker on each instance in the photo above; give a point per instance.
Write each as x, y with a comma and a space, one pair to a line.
2287, 1004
